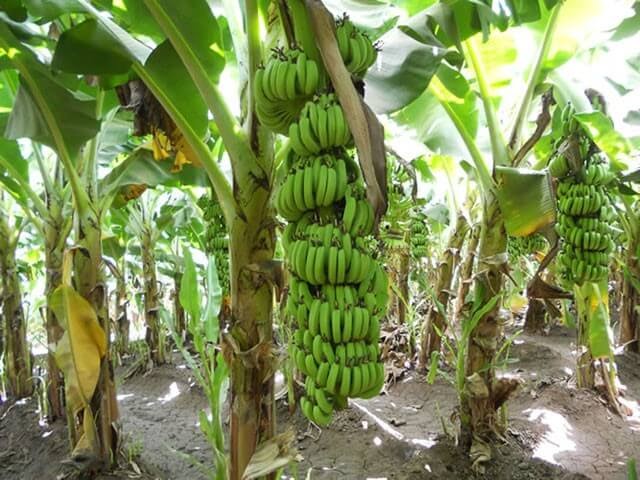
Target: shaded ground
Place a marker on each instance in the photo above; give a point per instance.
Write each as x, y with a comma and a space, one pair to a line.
556, 431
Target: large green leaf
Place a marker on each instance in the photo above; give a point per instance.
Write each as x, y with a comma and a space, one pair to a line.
412, 51
192, 26
170, 76
601, 130
403, 69
14, 10
136, 50
526, 200
371, 15
51, 9
88, 48
134, 17
14, 170
44, 110
431, 124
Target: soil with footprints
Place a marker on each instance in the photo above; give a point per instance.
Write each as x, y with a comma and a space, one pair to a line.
555, 431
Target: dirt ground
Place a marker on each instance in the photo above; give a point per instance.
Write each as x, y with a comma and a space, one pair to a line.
556, 431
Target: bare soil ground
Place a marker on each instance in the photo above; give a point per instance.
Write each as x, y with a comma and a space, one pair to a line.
556, 431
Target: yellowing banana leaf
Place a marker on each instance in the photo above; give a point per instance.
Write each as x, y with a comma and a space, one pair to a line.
526, 200
600, 334
81, 347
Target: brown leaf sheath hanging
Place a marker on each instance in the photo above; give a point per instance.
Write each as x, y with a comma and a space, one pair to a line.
367, 131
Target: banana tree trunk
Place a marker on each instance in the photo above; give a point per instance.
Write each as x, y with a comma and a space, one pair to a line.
153, 335
630, 307
16, 356
122, 319
435, 323
252, 361
483, 394
465, 273
398, 271
90, 283
54, 250
585, 373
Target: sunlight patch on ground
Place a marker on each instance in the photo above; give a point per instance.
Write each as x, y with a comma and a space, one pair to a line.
424, 442
384, 425
634, 408
557, 438
124, 396
174, 391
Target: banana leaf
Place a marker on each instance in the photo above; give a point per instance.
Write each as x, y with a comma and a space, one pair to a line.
78, 354
526, 200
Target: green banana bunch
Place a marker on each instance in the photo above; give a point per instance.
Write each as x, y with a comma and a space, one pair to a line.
216, 240
559, 166
335, 343
283, 86
357, 51
585, 212
419, 234
315, 182
569, 123
321, 126
338, 291
524, 246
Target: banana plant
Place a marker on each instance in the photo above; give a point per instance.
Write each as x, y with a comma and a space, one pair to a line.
453, 93
17, 358
629, 312
82, 128
182, 73
396, 235
49, 213
142, 215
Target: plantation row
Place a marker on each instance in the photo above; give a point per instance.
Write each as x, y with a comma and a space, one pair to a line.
345, 189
